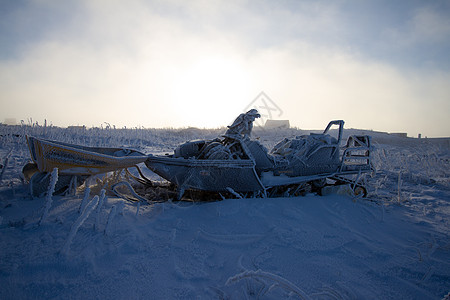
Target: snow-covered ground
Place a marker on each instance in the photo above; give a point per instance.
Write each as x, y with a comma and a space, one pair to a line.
393, 245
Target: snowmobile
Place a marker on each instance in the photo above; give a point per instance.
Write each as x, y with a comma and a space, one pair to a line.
235, 163
232, 164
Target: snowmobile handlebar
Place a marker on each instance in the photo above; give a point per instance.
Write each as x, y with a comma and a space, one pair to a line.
340, 123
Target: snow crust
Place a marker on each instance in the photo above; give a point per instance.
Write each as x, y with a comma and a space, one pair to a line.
393, 245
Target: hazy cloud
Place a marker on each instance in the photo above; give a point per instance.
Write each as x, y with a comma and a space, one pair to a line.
199, 63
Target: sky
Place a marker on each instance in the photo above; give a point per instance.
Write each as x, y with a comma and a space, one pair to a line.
380, 65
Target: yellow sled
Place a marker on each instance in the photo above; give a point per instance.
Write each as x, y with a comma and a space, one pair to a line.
74, 162
80, 160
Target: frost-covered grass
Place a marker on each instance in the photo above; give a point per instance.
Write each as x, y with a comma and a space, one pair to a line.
11, 137
394, 245
403, 172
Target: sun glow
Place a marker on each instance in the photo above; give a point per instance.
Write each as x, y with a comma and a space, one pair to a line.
210, 85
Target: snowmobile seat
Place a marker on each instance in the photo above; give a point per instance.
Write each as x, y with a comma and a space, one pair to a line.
189, 149
307, 155
263, 160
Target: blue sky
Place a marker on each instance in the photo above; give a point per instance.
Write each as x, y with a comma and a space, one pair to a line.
381, 65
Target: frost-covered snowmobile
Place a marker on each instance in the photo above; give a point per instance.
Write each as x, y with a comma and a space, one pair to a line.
237, 164
230, 164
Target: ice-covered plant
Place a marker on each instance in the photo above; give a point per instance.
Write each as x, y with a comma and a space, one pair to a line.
48, 197
84, 202
99, 208
79, 221
111, 216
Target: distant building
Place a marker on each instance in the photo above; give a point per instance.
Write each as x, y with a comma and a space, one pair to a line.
77, 127
277, 124
10, 121
399, 134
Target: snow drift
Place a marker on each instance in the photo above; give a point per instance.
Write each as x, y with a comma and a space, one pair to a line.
394, 245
